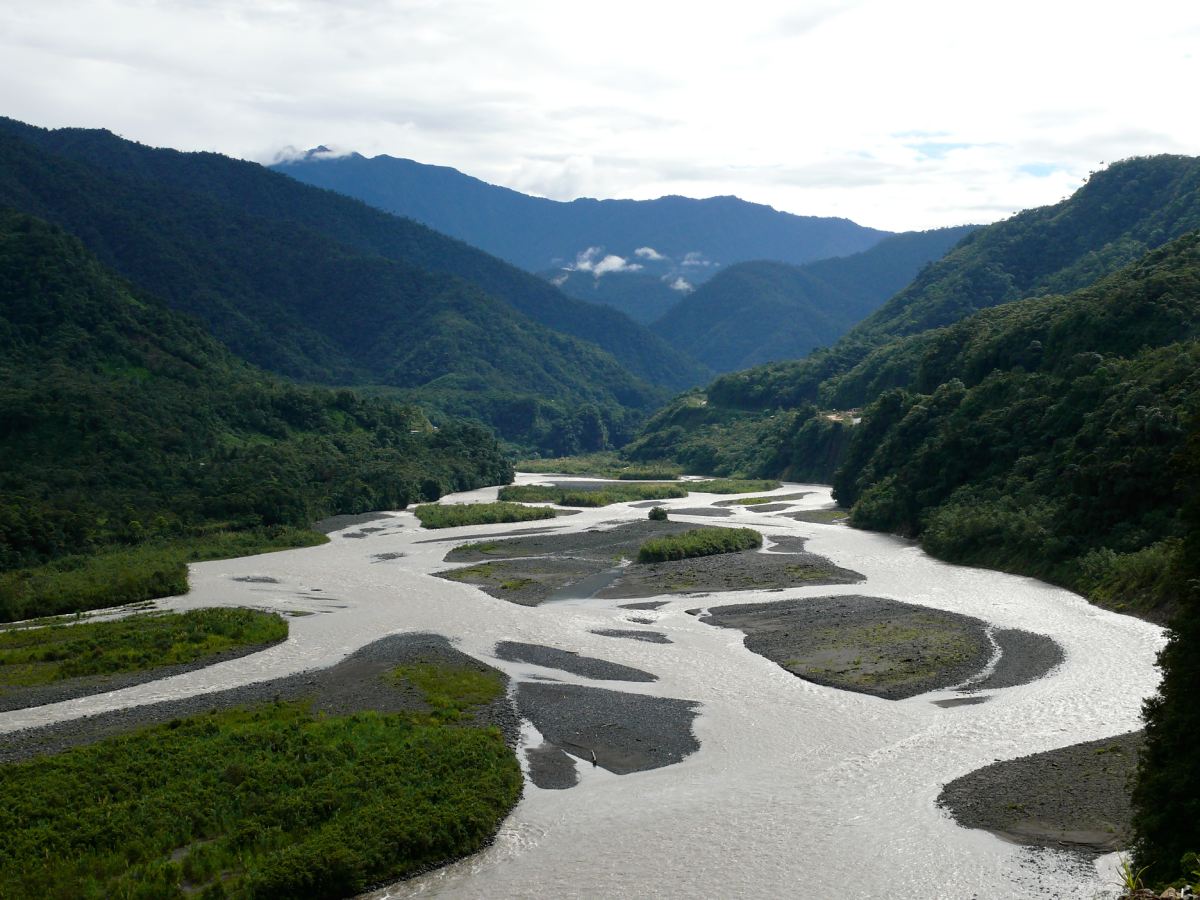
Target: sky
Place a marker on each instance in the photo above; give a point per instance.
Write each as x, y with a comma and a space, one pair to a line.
898, 114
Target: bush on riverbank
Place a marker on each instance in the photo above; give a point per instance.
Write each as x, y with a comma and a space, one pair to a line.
732, 486
117, 576
602, 495
33, 656
602, 465
699, 542
451, 515
269, 802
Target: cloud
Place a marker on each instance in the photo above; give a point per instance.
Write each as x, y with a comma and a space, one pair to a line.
590, 260
648, 253
696, 258
682, 285
291, 154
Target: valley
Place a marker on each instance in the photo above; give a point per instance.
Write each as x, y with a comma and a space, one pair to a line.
779, 778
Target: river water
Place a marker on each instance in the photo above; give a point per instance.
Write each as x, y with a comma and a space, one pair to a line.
798, 790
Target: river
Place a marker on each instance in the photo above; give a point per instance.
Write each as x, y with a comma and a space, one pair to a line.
798, 790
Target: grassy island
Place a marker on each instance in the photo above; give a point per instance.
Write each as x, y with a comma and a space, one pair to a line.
33, 656
451, 515
699, 542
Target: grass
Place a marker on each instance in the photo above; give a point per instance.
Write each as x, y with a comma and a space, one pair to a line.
699, 542
34, 656
271, 802
733, 486
601, 465
451, 515
602, 495
451, 690
133, 574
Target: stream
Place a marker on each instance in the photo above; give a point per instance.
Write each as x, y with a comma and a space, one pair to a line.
797, 790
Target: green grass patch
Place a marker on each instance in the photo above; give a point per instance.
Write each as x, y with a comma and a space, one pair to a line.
699, 542
602, 495
602, 465
451, 515
269, 802
133, 574
451, 690
33, 656
732, 486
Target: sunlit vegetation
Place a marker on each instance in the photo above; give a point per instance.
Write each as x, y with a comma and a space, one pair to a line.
732, 486
602, 465
115, 575
33, 656
451, 691
698, 542
268, 802
601, 495
451, 515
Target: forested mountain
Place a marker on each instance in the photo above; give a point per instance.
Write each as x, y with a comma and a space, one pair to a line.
1123, 211
643, 296
122, 420
757, 312
323, 288
539, 234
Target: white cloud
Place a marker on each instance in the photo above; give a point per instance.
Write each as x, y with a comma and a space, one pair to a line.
697, 259
648, 253
590, 260
530, 94
682, 285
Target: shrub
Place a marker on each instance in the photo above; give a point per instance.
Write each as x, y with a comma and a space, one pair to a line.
451, 515
659, 514
601, 495
699, 542
732, 486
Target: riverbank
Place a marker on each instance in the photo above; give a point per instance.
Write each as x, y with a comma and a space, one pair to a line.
1075, 798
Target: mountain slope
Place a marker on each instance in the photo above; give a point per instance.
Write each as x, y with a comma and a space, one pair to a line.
1129, 208
536, 233
757, 312
124, 421
222, 197
1045, 435
291, 299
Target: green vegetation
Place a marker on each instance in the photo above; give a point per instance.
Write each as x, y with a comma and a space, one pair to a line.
451, 515
270, 802
698, 542
753, 312
601, 465
601, 495
732, 486
658, 514
1051, 443
129, 430
324, 289
33, 656
770, 421
115, 575
451, 691
1166, 798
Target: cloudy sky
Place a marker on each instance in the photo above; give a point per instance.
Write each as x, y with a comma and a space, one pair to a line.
898, 114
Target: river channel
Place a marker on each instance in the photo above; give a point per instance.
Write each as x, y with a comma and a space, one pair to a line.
797, 790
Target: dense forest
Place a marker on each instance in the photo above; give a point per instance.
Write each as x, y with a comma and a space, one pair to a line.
757, 312
324, 289
123, 422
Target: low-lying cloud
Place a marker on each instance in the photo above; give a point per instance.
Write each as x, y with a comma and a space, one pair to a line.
592, 260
